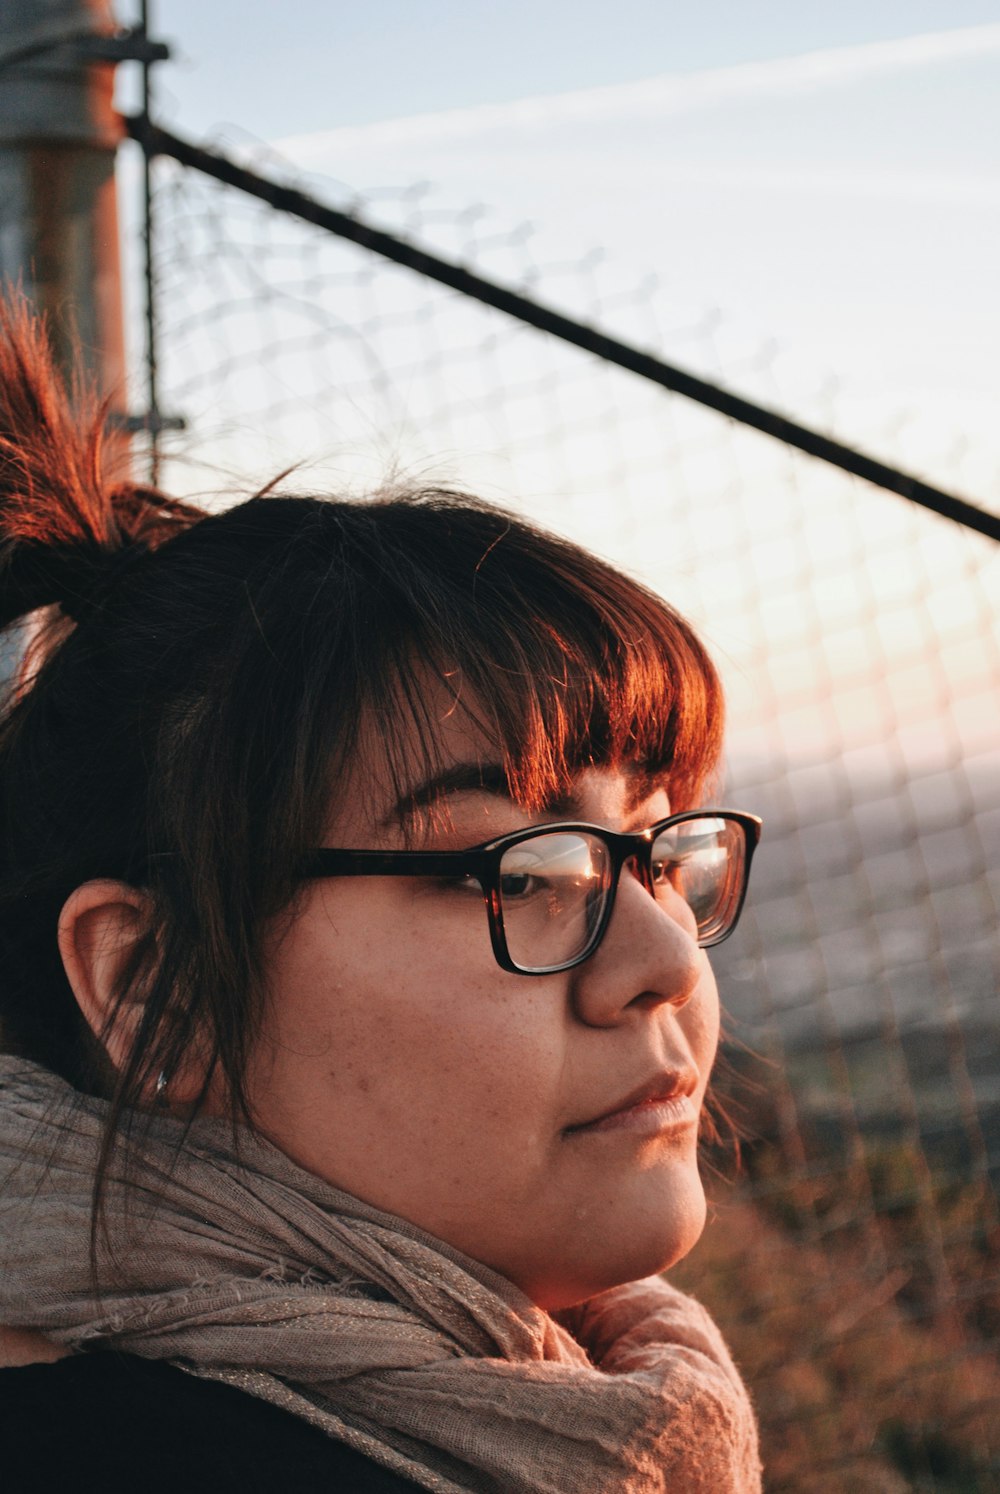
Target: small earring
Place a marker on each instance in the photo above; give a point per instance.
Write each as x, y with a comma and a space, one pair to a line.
160, 1091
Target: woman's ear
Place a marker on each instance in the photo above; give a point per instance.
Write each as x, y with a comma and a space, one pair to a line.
100, 928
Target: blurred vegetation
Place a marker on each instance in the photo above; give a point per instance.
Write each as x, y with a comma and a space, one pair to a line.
858, 1284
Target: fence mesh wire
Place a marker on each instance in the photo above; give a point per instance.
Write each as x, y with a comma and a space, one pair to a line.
855, 1262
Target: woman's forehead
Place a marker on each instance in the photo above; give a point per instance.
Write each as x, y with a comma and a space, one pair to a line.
433, 745
411, 755
465, 784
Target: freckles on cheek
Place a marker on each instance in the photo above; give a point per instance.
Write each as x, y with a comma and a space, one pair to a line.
392, 1030
454, 1067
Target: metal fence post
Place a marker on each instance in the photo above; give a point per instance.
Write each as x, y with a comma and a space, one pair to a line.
58, 209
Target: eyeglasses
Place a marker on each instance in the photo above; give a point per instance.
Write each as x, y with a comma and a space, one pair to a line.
550, 890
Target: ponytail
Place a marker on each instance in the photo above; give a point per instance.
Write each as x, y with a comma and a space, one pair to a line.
65, 530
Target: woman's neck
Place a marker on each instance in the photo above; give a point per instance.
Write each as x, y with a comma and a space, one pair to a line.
20, 1346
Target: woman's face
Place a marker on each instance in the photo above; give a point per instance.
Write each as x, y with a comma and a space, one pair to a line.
544, 1125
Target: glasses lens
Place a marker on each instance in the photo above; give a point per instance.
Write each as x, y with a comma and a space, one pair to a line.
704, 861
553, 893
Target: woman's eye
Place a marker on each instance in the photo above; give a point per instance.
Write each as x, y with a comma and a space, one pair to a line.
668, 871
460, 884
519, 884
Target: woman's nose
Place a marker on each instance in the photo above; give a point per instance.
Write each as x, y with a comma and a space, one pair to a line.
649, 956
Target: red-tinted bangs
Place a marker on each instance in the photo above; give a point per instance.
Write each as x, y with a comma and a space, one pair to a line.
560, 660
648, 698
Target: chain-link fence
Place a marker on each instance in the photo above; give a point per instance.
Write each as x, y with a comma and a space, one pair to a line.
855, 1263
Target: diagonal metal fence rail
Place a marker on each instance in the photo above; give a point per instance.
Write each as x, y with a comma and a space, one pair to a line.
855, 1260
354, 228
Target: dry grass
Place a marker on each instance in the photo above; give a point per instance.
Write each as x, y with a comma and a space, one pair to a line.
863, 1311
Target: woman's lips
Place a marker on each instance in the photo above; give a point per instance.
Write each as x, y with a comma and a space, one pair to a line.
665, 1104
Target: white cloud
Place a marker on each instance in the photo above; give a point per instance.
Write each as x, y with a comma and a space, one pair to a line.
667, 94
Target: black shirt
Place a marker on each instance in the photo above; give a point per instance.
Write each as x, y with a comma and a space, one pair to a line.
118, 1424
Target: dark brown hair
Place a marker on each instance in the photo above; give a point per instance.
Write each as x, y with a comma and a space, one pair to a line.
193, 698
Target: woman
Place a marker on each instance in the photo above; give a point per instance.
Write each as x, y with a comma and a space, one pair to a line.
353, 908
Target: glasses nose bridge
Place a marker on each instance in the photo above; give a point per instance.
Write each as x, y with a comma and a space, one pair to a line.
637, 850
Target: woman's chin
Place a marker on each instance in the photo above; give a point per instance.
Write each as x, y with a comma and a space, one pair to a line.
625, 1247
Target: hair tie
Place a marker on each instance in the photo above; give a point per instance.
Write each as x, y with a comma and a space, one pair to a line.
87, 597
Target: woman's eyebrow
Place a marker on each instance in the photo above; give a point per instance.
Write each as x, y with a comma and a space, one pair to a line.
490, 778
461, 778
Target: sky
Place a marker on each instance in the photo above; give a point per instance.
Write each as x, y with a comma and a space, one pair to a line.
827, 176
241, 61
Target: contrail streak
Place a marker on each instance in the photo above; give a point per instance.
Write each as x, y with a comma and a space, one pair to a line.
670, 93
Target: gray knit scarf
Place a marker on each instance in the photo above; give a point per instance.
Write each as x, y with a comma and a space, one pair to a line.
240, 1267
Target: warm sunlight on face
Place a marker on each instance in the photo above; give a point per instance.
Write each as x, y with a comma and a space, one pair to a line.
546, 1126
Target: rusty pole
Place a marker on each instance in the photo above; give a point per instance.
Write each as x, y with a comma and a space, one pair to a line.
58, 209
